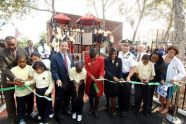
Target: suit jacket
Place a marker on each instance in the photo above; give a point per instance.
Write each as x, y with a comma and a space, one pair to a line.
59, 71
7, 61
96, 69
27, 50
113, 69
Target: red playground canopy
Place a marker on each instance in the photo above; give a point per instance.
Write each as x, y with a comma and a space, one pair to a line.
88, 20
61, 18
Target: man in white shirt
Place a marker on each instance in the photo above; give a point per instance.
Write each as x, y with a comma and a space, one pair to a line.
128, 68
44, 50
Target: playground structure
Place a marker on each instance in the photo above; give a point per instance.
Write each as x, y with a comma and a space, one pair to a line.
82, 33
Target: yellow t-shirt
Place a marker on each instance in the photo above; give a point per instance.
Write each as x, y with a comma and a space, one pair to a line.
22, 73
145, 71
73, 75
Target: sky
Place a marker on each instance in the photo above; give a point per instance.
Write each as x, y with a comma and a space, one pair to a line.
32, 25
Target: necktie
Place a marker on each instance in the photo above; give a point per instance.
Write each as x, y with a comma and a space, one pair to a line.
14, 53
139, 57
65, 62
30, 51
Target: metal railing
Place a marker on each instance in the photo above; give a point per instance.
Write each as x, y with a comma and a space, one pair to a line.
181, 102
182, 97
2, 98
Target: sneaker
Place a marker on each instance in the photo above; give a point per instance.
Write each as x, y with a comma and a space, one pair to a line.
41, 123
79, 118
114, 114
74, 116
22, 121
39, 117
33, 115
51, 116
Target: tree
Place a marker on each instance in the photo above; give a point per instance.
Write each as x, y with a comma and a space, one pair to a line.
105, 5
179, 20
134, 14
151, 8
23, 42
158, 11
9, 8
18, 8
142, 11
43, 35
49, 6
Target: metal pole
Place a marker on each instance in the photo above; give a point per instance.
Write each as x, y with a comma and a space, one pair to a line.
81, 32
176, 100
184, 97
172, 118
93, 33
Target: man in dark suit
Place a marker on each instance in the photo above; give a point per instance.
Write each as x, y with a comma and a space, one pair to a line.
60, 64
30, 49
7, 61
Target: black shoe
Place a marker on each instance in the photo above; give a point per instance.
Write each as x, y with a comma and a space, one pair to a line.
68, 112
146, 114
136, 113
95, 114
90, 111
57, 118
107, 108
123, 114
12, 121
150, 112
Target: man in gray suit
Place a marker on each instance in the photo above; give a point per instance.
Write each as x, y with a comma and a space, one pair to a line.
7, 61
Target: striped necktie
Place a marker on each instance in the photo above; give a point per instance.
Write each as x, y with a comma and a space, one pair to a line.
65, 62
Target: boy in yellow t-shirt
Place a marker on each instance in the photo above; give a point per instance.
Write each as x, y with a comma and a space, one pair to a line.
145, 73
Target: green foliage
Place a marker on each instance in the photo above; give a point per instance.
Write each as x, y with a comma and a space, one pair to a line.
43, 35
23, 42
17, 8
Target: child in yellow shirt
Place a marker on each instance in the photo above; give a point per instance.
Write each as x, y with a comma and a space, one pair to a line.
24, 98
145, 73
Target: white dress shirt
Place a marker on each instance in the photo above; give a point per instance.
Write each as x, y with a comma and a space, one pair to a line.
45, 53
128, 61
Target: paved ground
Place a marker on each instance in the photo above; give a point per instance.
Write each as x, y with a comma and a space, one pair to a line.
105, 118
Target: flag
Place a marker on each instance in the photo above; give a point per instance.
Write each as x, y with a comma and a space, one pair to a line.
17, 33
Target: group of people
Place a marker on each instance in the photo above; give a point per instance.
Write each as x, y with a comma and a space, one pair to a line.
95, 76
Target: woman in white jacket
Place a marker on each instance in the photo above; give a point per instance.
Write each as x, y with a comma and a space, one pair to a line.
175, 71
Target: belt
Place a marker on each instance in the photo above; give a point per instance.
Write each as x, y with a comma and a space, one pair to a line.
45, 58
